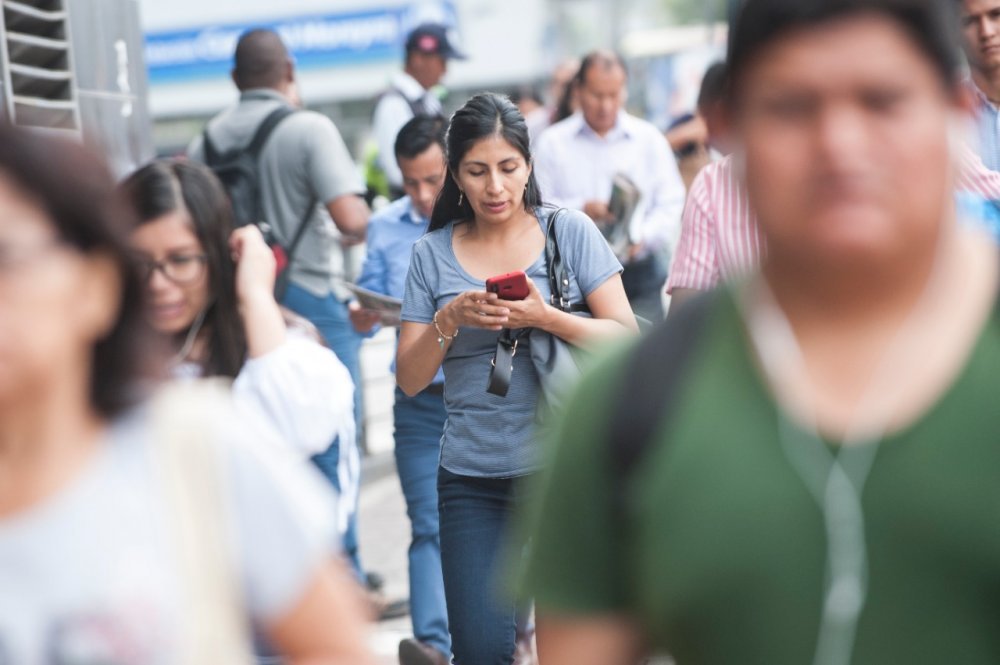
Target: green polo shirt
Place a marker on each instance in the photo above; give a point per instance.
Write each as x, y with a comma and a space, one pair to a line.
720, 555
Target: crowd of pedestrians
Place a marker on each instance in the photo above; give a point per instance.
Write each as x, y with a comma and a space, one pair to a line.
796, 465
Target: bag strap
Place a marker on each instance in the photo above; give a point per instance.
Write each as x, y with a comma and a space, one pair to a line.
557, 273
211, 153
558, 276
417, 107
264, 129
503, 362
260, 136
281, 283
649, 388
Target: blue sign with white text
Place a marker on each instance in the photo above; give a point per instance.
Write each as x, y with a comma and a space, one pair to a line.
314, 41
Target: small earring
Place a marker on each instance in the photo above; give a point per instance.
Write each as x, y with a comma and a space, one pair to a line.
461, 198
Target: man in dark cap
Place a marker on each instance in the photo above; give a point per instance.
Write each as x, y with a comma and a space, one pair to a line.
428, 50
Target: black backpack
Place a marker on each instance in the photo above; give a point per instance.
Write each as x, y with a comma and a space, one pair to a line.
655, 371
239, 172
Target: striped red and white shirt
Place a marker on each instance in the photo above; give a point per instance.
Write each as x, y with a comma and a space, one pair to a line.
719, 236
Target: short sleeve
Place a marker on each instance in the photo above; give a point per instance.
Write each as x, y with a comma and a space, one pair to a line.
285, 521
300, 389
591, 259
419, 301
575, 562
329, 166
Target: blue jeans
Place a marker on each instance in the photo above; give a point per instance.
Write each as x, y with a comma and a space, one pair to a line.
419, 423
327, 462
329, 315
475, 513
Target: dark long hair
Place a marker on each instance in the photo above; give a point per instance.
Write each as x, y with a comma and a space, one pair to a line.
164, 186
76, 190
484, 116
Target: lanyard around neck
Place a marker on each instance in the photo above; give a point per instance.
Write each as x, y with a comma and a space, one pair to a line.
834, 477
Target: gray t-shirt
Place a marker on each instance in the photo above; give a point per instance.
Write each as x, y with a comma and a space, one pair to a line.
90, 575
304, 160
486, 435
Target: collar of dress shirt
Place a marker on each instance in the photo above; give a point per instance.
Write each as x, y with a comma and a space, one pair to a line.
411, 215
621, 130
408, 85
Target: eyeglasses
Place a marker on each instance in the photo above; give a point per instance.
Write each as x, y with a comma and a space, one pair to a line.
180, 269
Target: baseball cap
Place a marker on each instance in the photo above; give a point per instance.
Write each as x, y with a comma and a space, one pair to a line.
432, 38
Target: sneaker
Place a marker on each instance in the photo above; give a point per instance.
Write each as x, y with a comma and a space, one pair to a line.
415, 652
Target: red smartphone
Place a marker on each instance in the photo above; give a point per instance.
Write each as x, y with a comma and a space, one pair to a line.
512, 286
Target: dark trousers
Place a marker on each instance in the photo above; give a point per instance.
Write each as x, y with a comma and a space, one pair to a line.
475, 514
643, 281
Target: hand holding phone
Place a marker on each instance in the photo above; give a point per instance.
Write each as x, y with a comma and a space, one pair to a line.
510, 286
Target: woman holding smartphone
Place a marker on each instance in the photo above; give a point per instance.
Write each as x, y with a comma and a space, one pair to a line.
489, 221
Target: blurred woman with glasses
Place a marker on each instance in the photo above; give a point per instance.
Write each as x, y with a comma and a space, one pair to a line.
210, 291
135, 528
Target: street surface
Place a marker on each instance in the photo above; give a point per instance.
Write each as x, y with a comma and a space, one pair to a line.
383, 525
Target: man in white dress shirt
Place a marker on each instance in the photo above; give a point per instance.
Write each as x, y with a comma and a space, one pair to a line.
410, 93
577, 159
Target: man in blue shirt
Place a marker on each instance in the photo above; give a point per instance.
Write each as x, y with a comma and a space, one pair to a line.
419, 420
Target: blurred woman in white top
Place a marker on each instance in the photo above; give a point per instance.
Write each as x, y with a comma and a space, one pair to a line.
97, 560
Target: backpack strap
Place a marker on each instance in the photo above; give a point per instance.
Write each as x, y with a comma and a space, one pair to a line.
263, 132
212, 155
416, 105
281, 283
650, 387
267, 126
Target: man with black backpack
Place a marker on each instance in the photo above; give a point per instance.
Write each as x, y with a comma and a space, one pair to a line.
410, 93
289, 171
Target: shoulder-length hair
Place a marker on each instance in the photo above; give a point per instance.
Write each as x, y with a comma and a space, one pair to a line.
169, 185
76, 190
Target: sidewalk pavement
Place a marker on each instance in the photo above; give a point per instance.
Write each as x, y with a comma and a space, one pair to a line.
384, 539
384, 529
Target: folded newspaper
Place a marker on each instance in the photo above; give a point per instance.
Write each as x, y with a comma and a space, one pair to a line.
624, 203
388, 308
